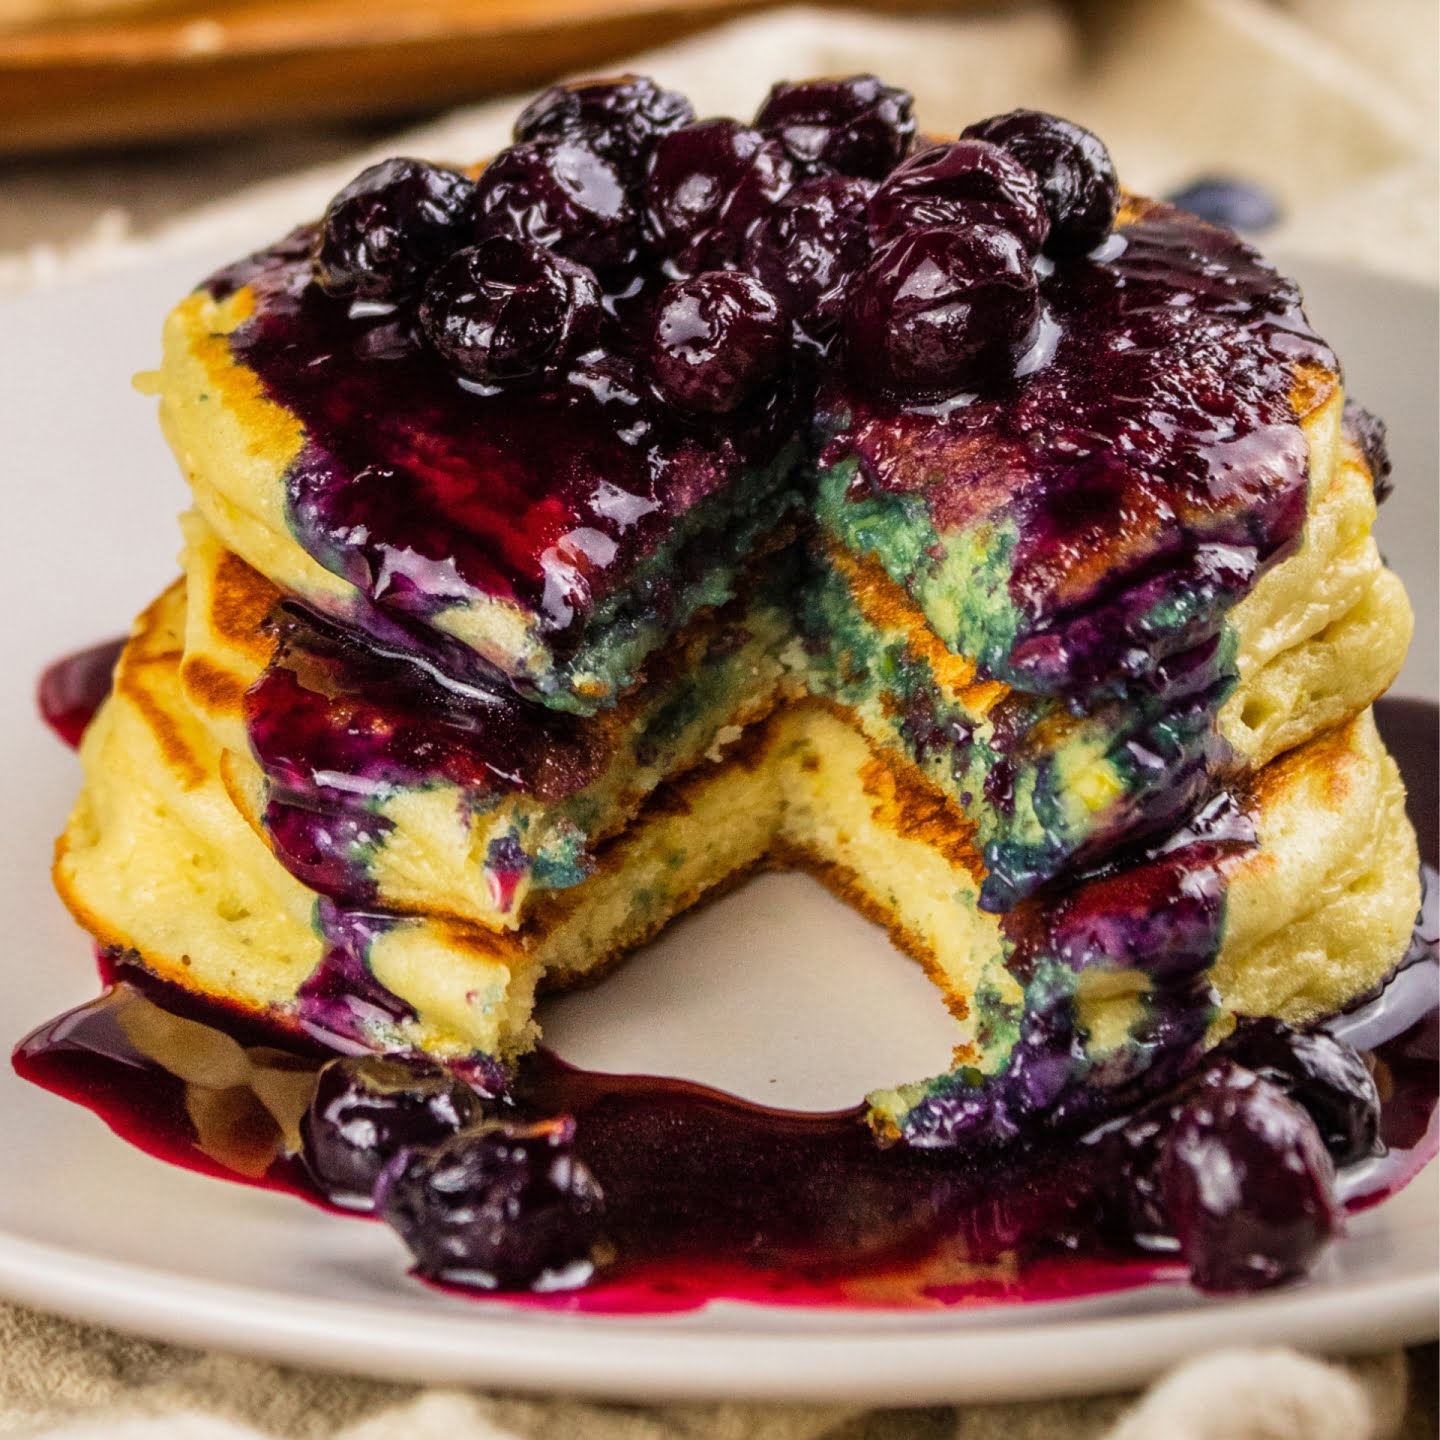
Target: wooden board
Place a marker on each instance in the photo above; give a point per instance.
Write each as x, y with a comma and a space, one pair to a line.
141, 72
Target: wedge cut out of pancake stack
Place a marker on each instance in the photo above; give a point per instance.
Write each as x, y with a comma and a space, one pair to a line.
672, 498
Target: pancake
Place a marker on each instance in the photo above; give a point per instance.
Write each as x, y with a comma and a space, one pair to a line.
1048, 786
561, 587
377, 785
528, 795
1313, 887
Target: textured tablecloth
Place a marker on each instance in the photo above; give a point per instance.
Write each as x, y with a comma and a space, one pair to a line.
1330, 103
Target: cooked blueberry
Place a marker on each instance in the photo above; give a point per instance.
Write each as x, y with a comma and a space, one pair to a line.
966, 182
1325, 1075
706, 187
366, 1109
389, 227
939, 310
509, 310
810, 246
561, 195
1246, 1183
619, 119
1235, 204
1074, 171
716, 337
504, 1206
1128, 1173
854, 125
1368, 431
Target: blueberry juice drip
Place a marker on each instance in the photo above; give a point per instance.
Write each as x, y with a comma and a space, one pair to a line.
1160, 915
708, 1196
426, 491
339, 726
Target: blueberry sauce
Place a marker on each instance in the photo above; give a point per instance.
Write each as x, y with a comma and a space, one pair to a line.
338, 726
711, 1197
1150, 469
425, 491
708, 1196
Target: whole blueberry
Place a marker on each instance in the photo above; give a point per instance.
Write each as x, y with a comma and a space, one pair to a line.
707, 185
508, 310
853, 125
1128, 1173
810, 247
561, 195
503, 1206
937, 311
1073, 168
366, 1109
620, 119
389, 227
1325, 1075
1235, 204
715, 338
1246, 1183
966, 182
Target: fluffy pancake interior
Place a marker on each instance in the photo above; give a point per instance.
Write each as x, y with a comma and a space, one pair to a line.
157, 860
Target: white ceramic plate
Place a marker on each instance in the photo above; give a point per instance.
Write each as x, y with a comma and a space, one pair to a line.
96, 1229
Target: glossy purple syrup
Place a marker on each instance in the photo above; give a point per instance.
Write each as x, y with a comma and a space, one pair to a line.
709, 1196
338, 725
1152, 461
426, 491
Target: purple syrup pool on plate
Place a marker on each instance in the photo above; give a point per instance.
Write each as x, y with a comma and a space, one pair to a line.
705, 1196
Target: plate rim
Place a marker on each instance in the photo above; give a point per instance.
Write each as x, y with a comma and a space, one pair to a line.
1085, 1354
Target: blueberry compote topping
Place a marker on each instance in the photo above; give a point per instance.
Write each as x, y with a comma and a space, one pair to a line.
810, 247
1246, 1184
1146, 468
706, 188
940, 310
717, 337
508, 309
1072, 167
853, 126
389, 227
961, 185
620, 119
561, 194
502, 1206
426, 488
338, 726
364, 1111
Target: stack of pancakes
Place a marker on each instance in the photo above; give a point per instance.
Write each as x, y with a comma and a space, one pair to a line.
290, 807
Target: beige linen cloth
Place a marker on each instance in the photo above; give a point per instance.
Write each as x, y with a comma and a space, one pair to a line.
1330, 103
